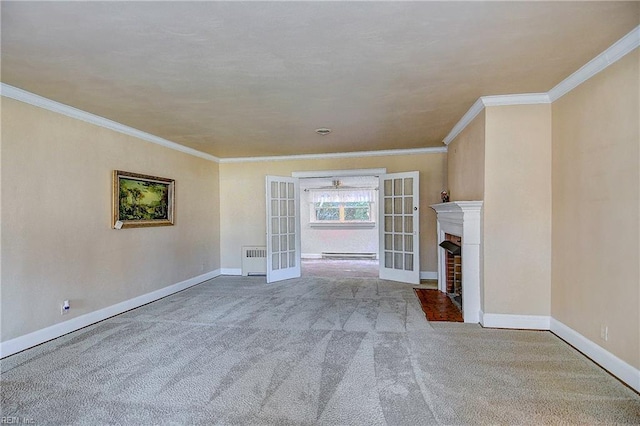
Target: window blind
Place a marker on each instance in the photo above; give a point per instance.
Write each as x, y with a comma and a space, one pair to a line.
342, 195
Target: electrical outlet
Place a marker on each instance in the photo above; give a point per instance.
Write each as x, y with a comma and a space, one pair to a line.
604, 332
65, 307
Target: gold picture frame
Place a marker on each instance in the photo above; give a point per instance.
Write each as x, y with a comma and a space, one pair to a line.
142, 200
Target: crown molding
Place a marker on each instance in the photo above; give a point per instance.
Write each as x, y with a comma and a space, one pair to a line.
339, 173
466, 119
615, 52
42, 102
497, 100
382, 153
519, 99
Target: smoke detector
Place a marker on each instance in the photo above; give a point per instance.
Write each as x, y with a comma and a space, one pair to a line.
323, 131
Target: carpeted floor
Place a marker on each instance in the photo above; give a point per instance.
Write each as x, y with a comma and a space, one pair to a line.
325, 351
340, 268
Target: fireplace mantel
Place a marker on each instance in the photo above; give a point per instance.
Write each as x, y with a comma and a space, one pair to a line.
462, 218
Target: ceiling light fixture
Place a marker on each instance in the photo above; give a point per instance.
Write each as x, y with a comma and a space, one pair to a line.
323, 131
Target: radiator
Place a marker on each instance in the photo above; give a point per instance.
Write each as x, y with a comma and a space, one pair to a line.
254, 260
334, 255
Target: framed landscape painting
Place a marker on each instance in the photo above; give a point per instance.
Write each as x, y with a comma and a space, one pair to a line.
142, 200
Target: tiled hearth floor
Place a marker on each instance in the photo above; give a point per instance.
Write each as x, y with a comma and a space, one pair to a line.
437, 306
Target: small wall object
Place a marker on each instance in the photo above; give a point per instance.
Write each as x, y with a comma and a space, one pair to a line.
444, 195
142, 200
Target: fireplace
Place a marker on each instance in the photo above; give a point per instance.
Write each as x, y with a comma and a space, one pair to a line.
459, 224
453, 267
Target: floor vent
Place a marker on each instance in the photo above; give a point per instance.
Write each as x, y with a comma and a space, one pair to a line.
333, 255
254, 260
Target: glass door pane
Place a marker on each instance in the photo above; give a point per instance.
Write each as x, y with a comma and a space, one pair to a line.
399, 242
283, 228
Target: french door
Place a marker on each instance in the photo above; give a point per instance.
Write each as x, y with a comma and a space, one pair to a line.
283, 228
399, 227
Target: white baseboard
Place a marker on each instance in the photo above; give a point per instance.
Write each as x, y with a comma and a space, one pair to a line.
231, 271
520, 322
619, 368
35, 338
320, 256
428, 275
311, 256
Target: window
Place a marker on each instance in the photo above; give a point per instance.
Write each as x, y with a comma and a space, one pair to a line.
350, 211
341, 207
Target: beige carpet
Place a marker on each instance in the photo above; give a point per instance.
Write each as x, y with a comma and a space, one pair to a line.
340, 268
311, 351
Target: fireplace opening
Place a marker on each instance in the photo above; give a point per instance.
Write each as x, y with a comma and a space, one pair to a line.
452, 245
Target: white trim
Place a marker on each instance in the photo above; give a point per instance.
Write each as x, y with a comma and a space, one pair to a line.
57, 107
428, 275
316, 256
519, 322
462, 218
311, 256
615, 52
35, 338
339, 173
231, 271
390, 152
619, 368
466, 119
517, 99
498, 100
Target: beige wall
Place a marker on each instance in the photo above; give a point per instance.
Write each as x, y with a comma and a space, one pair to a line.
57, 241
517, 210
465, 172
503, 157
596, 277
242, 195
465, 162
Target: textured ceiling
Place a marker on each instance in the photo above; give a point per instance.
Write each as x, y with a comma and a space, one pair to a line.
237, 79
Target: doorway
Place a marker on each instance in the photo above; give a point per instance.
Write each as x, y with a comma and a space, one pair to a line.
341, 206
339, 226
